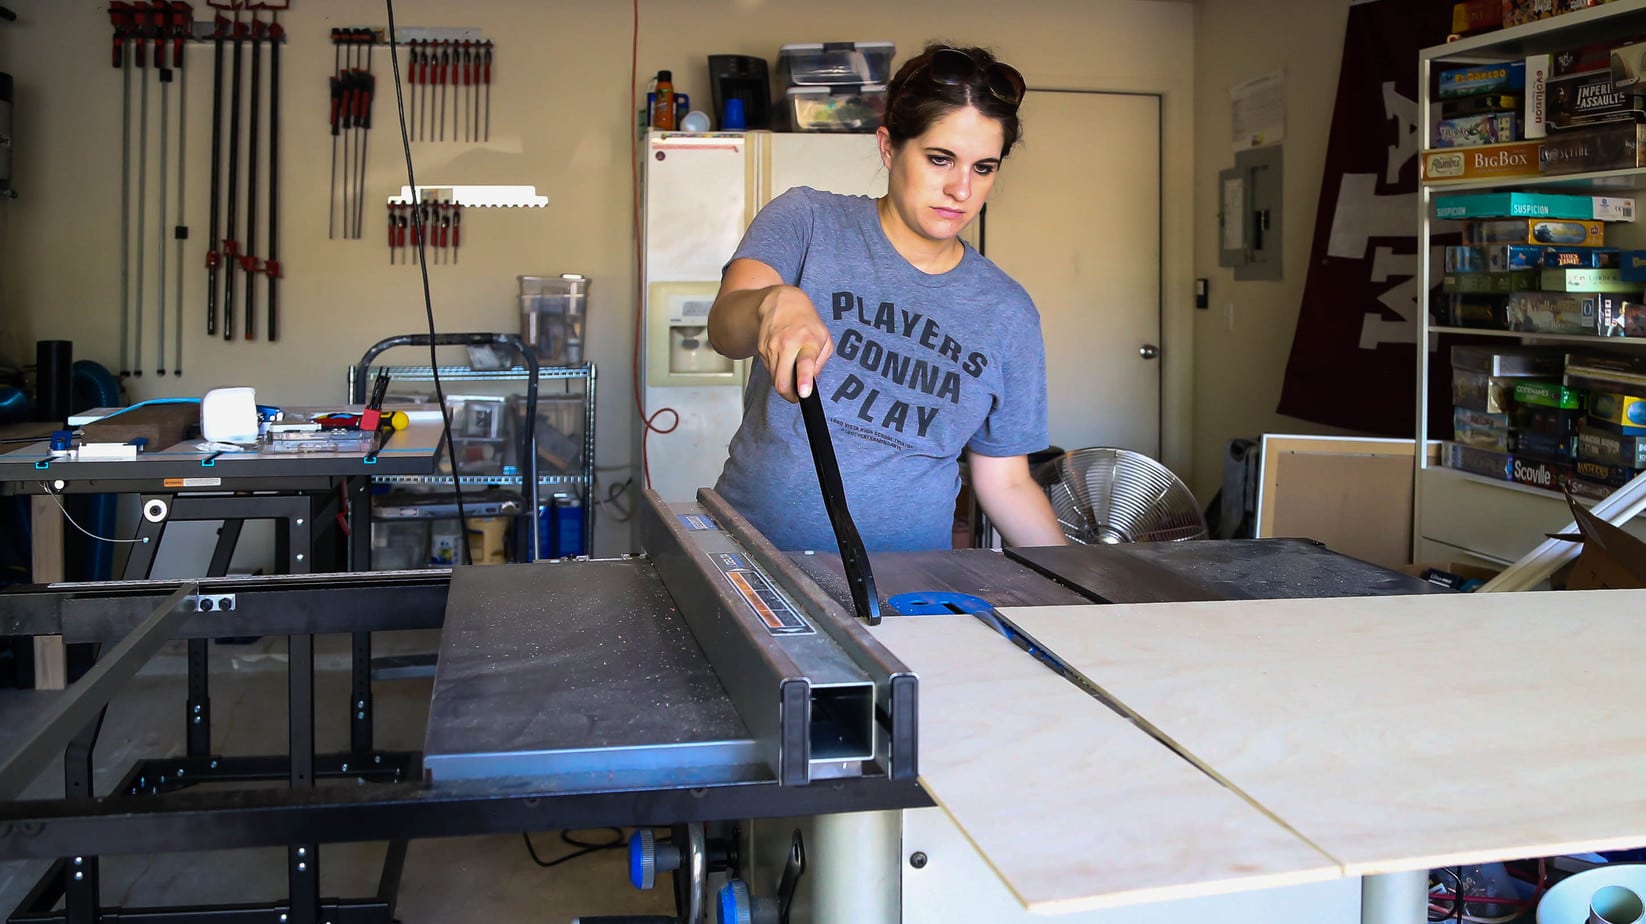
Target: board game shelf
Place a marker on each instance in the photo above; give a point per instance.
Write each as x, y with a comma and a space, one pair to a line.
1458, 515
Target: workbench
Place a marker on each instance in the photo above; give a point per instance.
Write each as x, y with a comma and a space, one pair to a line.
319, 502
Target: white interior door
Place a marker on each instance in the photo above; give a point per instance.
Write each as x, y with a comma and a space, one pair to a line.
1075, 218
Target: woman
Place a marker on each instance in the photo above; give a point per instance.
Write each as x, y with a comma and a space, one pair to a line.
933, 348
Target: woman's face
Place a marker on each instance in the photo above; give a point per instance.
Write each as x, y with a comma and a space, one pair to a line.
938, 182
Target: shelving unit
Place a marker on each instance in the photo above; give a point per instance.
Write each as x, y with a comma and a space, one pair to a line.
1459, 516
574, 382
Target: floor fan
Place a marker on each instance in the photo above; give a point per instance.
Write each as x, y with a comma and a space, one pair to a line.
1103, 495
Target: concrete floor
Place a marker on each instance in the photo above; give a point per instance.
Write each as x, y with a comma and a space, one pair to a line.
490, 878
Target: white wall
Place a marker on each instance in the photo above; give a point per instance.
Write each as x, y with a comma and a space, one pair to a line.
561, 120
1238, 372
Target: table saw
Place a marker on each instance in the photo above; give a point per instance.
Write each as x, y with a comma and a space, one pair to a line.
725, 689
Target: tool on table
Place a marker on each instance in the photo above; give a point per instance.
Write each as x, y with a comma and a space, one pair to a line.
380, 387
387, 425
853, 557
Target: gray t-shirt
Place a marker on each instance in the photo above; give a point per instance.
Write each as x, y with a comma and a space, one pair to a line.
924, 366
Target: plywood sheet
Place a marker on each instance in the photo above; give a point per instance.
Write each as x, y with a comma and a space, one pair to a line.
1073, 806
1396, 733
1355, 495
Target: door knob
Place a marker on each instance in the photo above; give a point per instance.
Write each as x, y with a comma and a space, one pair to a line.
1148, 351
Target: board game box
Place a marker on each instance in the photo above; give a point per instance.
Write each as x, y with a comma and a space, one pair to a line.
1478, 129
1477, 391
1607, 448
1589, 99
1518, 158
1550, 447
1621, 315
1483, 78
1584, 279
1534, 205
1607, 146
1535, 231
1508, 361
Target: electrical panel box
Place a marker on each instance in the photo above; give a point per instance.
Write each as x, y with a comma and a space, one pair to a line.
1249, 214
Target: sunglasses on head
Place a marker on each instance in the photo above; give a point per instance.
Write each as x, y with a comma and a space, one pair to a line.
953, 67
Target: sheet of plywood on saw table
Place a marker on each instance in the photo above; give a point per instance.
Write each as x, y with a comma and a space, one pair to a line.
1396, 733
1071, 804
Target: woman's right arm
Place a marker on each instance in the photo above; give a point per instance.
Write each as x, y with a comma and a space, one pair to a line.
756, 314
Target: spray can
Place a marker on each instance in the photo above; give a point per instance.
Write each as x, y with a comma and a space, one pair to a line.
663, 116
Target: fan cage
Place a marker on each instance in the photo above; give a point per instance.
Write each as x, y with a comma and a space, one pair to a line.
1104, 495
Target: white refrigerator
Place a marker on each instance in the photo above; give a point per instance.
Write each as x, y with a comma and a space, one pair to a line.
700, 192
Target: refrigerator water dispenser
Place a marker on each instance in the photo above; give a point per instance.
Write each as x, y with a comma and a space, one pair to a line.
679, 329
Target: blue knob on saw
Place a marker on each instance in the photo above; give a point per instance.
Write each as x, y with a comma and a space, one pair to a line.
643, 859
734, 906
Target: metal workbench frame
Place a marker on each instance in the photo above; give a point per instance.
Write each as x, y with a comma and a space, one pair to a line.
153, 811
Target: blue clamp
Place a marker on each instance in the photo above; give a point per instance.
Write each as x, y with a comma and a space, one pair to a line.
62, 440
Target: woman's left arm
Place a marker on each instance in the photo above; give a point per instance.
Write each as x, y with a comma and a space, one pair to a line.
1015, 504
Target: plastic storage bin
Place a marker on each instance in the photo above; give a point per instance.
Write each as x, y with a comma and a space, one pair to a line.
834, 63
559, 431
552, 311
399, 545
836, 109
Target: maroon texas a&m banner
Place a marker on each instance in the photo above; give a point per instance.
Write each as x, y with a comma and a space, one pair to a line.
1353, 359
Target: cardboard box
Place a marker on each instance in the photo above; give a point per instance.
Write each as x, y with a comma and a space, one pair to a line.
162, 425
1611, 558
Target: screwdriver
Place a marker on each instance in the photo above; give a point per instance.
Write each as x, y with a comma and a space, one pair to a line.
457, 228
